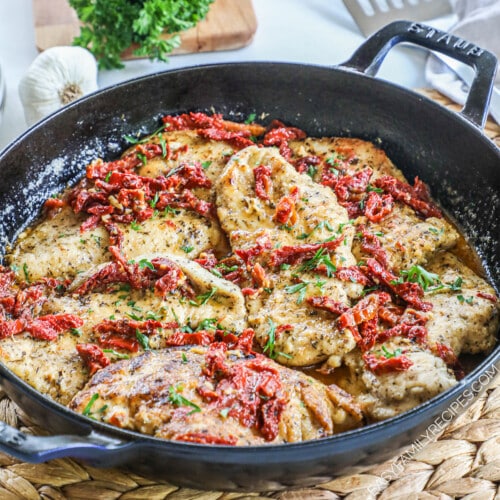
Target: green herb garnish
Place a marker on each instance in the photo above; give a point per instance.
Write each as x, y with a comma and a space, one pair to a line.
143, 263
202, 299
320, 257
109, 28
178, 399
143, 340
87, 411
388, 354
26, 273
299, 288
116, 354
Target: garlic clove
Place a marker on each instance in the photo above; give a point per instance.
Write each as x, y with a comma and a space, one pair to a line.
56, 77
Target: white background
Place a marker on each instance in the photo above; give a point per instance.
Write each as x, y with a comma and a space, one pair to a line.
307, 31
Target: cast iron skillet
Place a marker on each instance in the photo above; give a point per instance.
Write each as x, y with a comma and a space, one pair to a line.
446, 150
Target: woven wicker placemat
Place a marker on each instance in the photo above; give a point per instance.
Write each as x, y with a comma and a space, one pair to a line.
463, 462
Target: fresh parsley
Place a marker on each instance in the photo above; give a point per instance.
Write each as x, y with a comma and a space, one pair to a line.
110, 27
320, 257
271, 339
388, 354
116, 354
143, 340
177, 399
26, 273
87, 411
299, 288
417, 274
202, 299
270, 346
250, 119
143, 263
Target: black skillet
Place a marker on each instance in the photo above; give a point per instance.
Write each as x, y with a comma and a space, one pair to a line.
445, 149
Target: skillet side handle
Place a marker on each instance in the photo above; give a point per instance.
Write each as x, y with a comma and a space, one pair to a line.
36, 449
368, 58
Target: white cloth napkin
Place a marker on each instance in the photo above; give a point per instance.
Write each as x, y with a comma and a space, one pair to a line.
478, 22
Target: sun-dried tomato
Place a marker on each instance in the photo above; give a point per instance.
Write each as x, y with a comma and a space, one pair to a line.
487, 296
93, 357
279, 135
259, 276
24, 303
327, 304
352, 273
170, 276
263, 182
186, 176
207, 260
412, 293
201, 337
185, 199
294, 254
11, 327
386, 365
353, 184
251, 388
53, 206
415, 333
303, 164
449, 357
237, 139
148, 149
377, 207
262, 244
415, 197
122, 333
286, 212
192, 121
125, 196
7, 279
204, 438
50, 326
365, 310
390, 313
370, 243
160, 272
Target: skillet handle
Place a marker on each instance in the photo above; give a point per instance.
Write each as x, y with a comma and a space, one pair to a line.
368, 58
94, 447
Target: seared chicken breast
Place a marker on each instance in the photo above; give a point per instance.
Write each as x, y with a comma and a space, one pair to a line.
211, 283
247, 400
465, 310
385, 395
406, 237
57, 247
111, 318
262, 200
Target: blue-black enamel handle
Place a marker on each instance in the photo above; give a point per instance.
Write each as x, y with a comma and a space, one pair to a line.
97, 448
368, 58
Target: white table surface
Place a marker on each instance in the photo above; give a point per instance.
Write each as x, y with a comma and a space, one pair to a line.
306, 31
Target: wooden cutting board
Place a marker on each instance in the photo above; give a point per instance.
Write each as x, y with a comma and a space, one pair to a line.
230, 24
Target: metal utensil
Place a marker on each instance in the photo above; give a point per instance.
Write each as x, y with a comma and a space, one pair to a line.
466, 74
370, 15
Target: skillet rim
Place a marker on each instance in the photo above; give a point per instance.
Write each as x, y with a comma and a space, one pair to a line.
492, 359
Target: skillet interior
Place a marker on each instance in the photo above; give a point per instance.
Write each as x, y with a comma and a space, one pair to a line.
422, 138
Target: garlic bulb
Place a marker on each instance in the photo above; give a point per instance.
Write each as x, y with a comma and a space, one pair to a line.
56, 77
